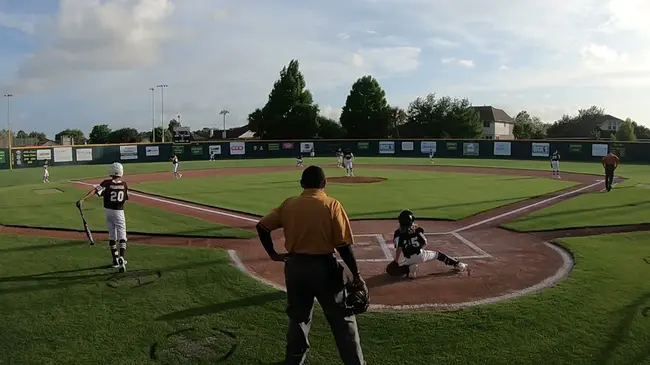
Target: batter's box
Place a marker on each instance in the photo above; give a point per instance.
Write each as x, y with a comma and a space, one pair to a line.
372, 248
455, 245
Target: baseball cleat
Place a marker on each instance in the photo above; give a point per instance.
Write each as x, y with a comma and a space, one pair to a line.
121, 264
413, 271
461, 266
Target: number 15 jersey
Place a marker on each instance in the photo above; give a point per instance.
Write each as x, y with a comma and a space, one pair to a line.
114, 192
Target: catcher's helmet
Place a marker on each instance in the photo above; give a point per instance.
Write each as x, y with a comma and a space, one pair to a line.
116, 169
406, 218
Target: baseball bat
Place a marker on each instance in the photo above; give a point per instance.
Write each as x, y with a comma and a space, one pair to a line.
89, 234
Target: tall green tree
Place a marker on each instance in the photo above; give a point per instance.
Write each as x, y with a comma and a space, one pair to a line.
398, 118
528, 127
76, 134
366, 113
40, 136
329, 128
173, 124
625, 131
99, 134
443, 117
124, 135
290, 111
21, 134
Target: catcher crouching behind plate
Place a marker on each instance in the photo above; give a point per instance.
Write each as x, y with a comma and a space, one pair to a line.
409, 243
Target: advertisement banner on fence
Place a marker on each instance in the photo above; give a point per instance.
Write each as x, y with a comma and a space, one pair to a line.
214, 150
128, 152
386, 147
179, 150
44, 154
619, 149
287, 146
363, 145
470, 149
84, 154
273, 146
63, 154
237, 148
407, 146
452, 146
306, 147
3, 157
502, 149
540, 149
599, 150
197, 151
152, 151
428, 146
575, 148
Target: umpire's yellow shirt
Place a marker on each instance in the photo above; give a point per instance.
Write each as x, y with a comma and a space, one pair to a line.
313, 223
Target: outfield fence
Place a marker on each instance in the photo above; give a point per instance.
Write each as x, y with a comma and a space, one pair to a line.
23, 157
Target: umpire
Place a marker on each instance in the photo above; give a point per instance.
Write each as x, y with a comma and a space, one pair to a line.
610, 163
315, 225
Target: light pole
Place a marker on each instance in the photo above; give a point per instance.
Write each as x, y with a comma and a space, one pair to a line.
224, 112
162, 109
9, 136
153, 115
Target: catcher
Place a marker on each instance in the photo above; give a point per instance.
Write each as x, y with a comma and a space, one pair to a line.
410, 242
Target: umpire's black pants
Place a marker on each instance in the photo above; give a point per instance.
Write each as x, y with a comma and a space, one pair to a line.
609, 176
321, 277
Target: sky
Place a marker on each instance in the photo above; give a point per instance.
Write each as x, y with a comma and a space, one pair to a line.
78, 63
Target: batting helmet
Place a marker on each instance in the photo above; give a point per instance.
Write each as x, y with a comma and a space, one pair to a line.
406, 218
116, 169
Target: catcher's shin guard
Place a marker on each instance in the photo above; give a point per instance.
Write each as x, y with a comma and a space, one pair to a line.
449, 261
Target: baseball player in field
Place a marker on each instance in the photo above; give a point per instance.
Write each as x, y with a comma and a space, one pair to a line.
46, 173
431, 153
177, 175
339, 158
114, 192
410, 242
299, 162
348, 158
555, 164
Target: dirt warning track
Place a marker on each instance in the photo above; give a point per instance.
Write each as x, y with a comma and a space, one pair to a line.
503, 264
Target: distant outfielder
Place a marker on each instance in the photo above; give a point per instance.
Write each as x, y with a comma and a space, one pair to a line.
555, 164
115, 192
177, 175
339, 158
299, 162
348, 158
46, 173
409, 243
431, 153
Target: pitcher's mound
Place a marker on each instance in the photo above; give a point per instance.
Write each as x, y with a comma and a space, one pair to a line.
355, 180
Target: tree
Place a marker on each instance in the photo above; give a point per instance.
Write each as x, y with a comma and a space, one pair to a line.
124, 135
159, 132
528, 127
585, 124
329, 128
441, 118
99, 134
78, 136
21, 134
290, 111
640, 131
39, 136
366, 113
173, 124
625, 131
398, 118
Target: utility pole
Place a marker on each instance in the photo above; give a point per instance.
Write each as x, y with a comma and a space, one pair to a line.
153, 115
162, 109
224, 112
9, 136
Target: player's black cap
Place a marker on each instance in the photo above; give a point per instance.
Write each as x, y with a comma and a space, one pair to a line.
313, 177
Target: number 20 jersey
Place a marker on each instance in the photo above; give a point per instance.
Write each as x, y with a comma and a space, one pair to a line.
114, 192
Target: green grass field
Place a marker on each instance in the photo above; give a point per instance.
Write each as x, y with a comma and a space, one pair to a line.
59, 306
21, 205
431, 195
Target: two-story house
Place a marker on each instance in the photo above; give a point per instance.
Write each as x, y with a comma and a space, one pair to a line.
610, 123
497, 124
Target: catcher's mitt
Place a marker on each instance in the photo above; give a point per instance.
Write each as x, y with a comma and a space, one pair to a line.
357, 299
394, 269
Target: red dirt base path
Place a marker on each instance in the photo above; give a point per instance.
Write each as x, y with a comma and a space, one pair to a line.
355, 180
503, 264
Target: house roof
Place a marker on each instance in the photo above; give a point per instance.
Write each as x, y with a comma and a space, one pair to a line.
491, 114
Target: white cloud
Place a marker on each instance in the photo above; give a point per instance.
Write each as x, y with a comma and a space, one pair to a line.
442, 43
459, 62
466, 63
330, 112
22, 23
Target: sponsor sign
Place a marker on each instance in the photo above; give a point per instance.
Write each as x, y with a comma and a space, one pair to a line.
575, 148
179, 150
84, 154
363, 145
619, 149
273, 146
407, 146
152, 151
540, 149
197, 151
287, 146
126, 153
502, 148
45, 154
63, 154
306, 147
452, 146
428, 146
237, 148
386, 147
215, 150
470, 149
3, 157
599, 150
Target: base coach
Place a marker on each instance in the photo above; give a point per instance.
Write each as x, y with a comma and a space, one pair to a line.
610, 163
315, 226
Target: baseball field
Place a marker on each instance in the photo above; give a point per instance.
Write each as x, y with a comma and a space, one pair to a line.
558, 273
